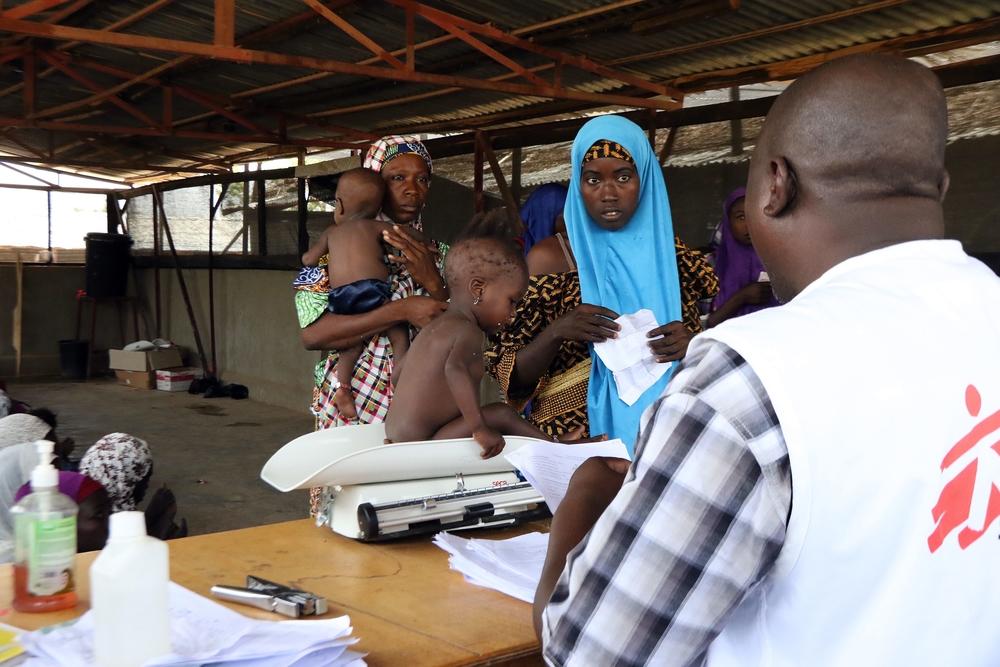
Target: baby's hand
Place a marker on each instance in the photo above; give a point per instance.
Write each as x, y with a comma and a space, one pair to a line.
491, 441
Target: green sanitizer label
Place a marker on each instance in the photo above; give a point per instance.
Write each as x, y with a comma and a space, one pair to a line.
50, 550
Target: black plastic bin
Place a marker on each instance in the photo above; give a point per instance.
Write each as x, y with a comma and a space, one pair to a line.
73, 358
107, 264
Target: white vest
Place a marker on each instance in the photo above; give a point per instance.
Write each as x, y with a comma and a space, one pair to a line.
885, 376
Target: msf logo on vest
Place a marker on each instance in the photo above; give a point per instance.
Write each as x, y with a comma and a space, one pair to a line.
970, 500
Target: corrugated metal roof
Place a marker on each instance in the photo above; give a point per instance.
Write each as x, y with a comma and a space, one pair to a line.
683, 43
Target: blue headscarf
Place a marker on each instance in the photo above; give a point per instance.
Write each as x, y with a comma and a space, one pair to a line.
625, 270
540, 211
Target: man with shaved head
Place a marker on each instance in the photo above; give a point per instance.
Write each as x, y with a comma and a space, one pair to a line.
820, 482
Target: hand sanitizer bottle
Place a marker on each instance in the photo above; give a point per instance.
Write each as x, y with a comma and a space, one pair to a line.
128, 592
44, 541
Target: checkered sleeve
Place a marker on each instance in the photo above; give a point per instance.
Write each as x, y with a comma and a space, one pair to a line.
700, 520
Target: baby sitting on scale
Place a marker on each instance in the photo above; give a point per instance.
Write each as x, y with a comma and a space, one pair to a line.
437, 395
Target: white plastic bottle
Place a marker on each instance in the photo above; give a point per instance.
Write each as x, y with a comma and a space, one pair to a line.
44, 541
128, 592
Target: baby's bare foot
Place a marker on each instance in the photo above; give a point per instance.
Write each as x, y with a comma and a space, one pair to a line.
343, 398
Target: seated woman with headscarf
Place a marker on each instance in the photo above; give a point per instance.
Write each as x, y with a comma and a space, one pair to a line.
614, 265
745, 287
123, 464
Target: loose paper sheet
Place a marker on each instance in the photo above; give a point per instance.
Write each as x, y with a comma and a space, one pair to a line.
548, 466
629, 358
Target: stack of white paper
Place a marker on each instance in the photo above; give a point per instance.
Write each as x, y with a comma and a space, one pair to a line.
548, 466
629, 357
512, 566
206, 633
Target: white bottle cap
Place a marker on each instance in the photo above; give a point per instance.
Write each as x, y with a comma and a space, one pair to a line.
127, 526
44, 476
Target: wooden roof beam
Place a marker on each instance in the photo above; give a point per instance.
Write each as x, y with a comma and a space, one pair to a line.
760, 32
128, 20
577, 61
251, 56
124, 130
40, 164
524, 30
218, 104
31, 8
87, 82
354, 33
932, 41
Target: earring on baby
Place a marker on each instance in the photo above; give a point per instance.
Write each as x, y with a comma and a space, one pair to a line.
476, 301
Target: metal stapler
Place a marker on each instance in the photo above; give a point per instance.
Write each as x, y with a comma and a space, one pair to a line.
373, 491
270, 596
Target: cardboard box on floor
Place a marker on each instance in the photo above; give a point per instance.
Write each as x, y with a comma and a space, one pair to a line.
167, 357
136, 379
176, 379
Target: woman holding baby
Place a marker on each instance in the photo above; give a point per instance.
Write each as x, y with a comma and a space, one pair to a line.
418, 294
623, 257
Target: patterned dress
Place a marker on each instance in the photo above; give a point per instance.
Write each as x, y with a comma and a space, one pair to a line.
558, 403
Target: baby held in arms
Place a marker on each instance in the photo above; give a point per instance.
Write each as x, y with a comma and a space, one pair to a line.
437, 396
357, 269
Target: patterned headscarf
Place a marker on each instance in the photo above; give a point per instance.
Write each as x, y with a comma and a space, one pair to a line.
394, 145
606, 148
118, 461
18, 428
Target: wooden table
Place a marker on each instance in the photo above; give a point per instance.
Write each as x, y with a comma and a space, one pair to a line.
406, 605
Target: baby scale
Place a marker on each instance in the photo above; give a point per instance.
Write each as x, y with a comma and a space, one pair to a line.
373, 491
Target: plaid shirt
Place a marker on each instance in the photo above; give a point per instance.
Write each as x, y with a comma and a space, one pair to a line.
699, 521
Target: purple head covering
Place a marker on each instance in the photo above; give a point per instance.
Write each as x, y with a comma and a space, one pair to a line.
540, 211
737, 265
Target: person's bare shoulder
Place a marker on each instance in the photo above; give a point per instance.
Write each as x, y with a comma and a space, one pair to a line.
547, 256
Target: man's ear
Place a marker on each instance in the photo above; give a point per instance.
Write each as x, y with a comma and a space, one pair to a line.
781, 187
476, 286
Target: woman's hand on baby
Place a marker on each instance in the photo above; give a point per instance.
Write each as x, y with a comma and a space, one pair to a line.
586, 323
420, 310
669, 342
491, 441
419, 258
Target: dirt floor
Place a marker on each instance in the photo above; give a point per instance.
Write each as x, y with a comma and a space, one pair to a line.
209, 451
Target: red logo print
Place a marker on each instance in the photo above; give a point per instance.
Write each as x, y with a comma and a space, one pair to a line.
971, 500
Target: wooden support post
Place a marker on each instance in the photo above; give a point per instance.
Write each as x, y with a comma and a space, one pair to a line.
261, 217
111, 210
651, 128
736, 125
213, 370
158, 203
156, 268
515, 173
303, 216
478, 198
668, 146
225, 22
510, 201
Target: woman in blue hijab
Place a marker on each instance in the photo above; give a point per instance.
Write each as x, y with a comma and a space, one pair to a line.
618, 218
628, 260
